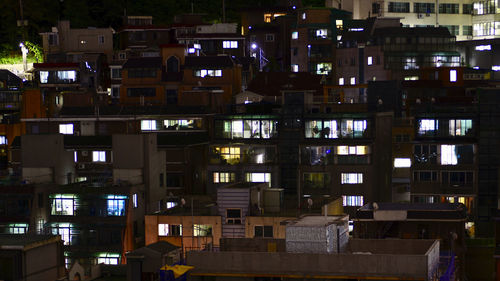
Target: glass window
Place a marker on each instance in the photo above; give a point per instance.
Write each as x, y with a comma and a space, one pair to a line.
230, 44
399, 7
341, 81
370, 60
116, 73
265, 231
460, 127
351, 178
295, 68
108, 258
116, 205
323, 68
66, 75
295, 35
316, 180
208, 73
63, 204
233, 216
17, 228
148, 125
353, 80
427, 127
258, 177
135, 200
44, 77
142, 72
349, 200
202, 230
67, 231
402, 162
66, 129
269, 37
98, 156
223, 177
353, 128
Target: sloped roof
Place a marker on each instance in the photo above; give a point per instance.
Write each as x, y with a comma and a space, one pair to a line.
272, 83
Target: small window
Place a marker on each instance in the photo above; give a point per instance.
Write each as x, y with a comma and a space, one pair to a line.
169, 229
202, 230
370, 60
100, 39
353, 80
295, 35
98, 156
148, 125
269, 37
230, 44
265, 231
66, 129
295, 68
135, 201
341, 81
351, 178
304, 16
402, 162
233, 216
3, 140
453, 75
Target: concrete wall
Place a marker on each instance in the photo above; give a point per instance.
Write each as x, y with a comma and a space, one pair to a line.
288, 264
279, 231
44, 262
252, 245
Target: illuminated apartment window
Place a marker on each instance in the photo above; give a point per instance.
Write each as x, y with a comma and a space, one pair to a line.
66, 129
148, 125
264, 231
230, 44
208, 73
456, 154
304, 16
169, 229
350, 128
351, 178
116, 205
370, 60
341, 81
323, 68
3, 140
230, 154
295, 68
402, 162
44, 77
349, 200
63, 204
352, 150
268, 17
108, 258
170, 205
17, 228
317, 180
321, 129
202, 230
339, 24
353, 80
258, 177
427, 127
224, 177
453, 75
460, 127
98, 156
66, 230
321, 33
295, 35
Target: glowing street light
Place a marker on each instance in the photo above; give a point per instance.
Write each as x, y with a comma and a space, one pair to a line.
254, 46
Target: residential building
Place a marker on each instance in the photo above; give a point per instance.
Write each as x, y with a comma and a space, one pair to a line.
147, 260
481, 55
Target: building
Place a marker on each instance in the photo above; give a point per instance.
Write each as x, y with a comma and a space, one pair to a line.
145, 262
31, 257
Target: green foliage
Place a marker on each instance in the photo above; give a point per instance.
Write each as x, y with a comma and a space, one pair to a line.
35, 50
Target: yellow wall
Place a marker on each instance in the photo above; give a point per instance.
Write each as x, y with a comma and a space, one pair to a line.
279, 231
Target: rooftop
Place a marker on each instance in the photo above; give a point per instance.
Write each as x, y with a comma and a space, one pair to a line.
24, 242
318, 220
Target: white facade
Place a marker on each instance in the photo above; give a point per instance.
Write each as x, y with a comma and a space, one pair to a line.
466, 19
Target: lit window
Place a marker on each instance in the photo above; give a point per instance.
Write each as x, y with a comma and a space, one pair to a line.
170, 205
3, 140
202, 230
295, 68
351, 178
341, 81
224, 177
135, 200
316, 180
321, 33
323, 68
258, 177
208, 72
44, 77
352, 200
169, 229
66, 75
448, 155
427, 126
66, 129
370, 60
304, 16
353, 80
116, 205
352, 150
108, 258
63, 204
460, 127
402, 162
453, 75
148, 125
18, 228
230, 44
295, 35
339, 24
66, 230
98, 156
483, 48
191, 50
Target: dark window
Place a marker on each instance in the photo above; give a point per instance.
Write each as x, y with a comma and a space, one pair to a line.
137, 92
448, 8
161, 180
467, 30
142, 72
40, 200
466, 8
173, 64
174, 180
233, 216
399, 7
375, 8
116, 73
423, 8
171, 96
263, 231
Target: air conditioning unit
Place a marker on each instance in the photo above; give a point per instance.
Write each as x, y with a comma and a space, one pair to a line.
420, 16
85, 153
81, 166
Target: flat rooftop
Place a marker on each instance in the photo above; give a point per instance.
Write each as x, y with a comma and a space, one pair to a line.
22, 241
318, 220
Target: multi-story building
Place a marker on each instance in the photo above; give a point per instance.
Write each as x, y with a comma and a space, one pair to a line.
466, 19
